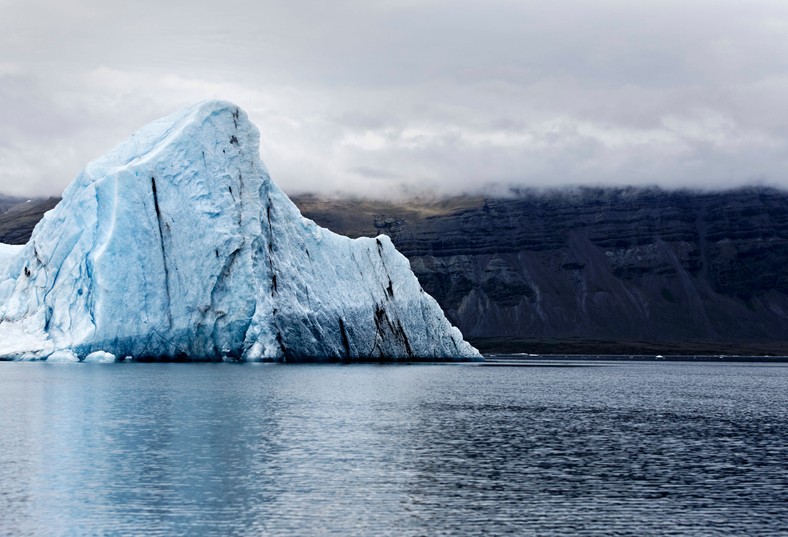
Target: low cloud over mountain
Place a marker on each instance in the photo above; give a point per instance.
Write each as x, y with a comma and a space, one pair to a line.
411, 97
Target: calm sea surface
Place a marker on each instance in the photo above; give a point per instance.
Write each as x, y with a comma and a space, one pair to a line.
222, 449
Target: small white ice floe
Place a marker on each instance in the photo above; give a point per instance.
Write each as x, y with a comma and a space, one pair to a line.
100, 357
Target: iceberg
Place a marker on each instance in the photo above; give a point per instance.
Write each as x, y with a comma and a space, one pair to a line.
178, 245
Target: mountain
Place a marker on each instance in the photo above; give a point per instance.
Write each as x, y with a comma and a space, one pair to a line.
177, 245
19, 217
595, 270
6, 202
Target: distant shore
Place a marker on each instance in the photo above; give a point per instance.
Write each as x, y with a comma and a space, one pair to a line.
625, 350
580, 360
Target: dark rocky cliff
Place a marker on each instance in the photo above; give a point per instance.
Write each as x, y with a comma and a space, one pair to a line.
18, 217
594, 270
641, 268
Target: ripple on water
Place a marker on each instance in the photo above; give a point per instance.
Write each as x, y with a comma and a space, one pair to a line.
169, 449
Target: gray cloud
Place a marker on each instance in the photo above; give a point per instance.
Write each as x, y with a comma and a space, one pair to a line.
411, 97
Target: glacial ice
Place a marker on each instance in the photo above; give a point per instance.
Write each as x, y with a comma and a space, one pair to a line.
100, 357
178, 245
63, 355
7, 253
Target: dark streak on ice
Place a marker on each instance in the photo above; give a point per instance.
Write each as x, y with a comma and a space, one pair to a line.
390, 287
405, 339
48, 318
163, 250
271, 249
345, 339
282, 345
395, 329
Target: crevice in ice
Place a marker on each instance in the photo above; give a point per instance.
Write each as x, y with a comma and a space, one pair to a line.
345, 339
240, 201
282, 346
279, 339
395, 329
38, 256
389, 289
219, 292
163, 249
274, 285
90, 299
379, 313
222, 278
405, 339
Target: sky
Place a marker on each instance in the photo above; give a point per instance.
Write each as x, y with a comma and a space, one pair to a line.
410, 98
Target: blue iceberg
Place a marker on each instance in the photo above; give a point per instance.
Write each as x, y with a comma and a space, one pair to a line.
178, 245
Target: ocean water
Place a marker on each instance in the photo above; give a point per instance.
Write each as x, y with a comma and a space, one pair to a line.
226, 449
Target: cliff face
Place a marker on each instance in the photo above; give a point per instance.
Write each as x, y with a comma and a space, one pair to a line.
626, 264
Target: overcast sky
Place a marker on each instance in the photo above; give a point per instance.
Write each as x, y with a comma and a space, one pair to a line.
410, 97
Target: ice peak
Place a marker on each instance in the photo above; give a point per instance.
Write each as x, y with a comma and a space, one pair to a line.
196, 121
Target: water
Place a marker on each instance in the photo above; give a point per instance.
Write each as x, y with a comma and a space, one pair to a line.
192, 449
